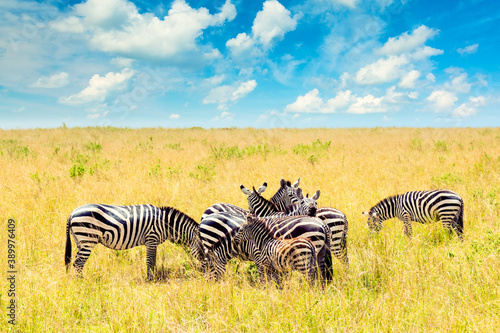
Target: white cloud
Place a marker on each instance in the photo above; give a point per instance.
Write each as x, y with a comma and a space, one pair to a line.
227, 94
174, 116
442, 99
311, 102
470, 108
100, 87
408, 42
347, 3
117, 27
470, 49
269, 26
272, 23
383, 70
408, 79
431, 77
425, 52
55, 81
459, 84
366, 104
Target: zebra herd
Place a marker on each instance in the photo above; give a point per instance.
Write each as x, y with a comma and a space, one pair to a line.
287, 232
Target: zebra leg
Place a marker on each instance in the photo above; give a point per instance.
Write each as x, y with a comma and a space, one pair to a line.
84, 249
407, 227
151, 259
451, 226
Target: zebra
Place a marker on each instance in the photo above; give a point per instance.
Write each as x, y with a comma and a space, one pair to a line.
273, 256
261, 207
217, 233
287, 227
285, 196
125, 227
337, 222
420, 206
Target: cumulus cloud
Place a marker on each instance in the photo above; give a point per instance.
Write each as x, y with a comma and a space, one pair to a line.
407, 42
470, 108
470, 49
442, 99
459, 84
117, 27
431, 77
383, 70
55, 81
346, 101
100, 87
311, 102
229, 94
269, 26
408, 80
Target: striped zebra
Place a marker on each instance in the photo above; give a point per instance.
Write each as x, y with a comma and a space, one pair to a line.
217, 233
262, 207
337, 222
285, 196
275, 257
420, 206
125, 227
287, 227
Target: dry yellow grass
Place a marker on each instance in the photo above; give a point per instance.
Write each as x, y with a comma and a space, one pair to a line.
431, 283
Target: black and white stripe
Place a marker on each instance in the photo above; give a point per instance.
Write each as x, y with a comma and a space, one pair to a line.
217, 232
125, 227
275, 257
337, 222
290, 227
286, 194
420, 206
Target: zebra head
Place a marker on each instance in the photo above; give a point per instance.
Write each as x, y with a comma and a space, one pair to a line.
257, 204
308, 206
286, 194
374, 221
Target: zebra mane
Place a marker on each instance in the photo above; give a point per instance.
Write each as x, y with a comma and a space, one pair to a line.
168, 209
268, 201
389, 199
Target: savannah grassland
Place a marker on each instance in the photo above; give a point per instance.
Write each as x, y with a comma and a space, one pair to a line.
433, 283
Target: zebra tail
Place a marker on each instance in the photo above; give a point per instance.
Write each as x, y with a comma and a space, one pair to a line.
67, 253
460, 219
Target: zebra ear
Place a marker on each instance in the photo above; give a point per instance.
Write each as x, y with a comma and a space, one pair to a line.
316, 195
250, 219
296, 184
262, 188
283, 183
245, 190
300, 195
365, 213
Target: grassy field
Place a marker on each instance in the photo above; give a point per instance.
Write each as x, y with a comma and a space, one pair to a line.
431, 283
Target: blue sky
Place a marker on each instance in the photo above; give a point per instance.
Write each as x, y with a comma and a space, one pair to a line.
264, 64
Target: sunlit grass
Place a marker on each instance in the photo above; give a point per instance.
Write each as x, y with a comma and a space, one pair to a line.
431, 283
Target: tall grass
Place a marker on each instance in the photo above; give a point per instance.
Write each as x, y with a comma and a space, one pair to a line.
431, 283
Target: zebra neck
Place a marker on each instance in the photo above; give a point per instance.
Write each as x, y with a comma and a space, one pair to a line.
261, 206
179, 227
386, 208
280, 199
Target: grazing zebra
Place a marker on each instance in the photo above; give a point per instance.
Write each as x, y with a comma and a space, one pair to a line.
217, 231
337, 222
125, 227
420, 206
275, 257
288, 227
